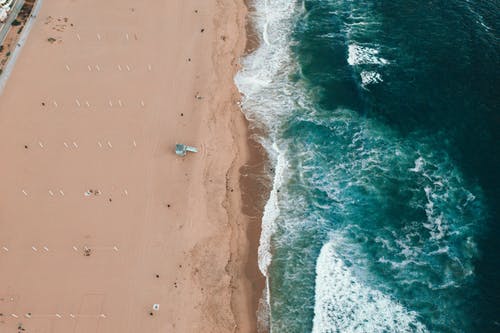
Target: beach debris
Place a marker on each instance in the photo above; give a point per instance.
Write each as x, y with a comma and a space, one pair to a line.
202, 30
198, 96
181, 149
88, 193
87, 251
51, 40
156, 307
157, 276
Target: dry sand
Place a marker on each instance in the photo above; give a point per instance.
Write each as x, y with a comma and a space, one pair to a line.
100, 107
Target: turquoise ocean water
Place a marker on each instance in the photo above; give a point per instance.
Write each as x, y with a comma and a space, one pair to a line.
382, 124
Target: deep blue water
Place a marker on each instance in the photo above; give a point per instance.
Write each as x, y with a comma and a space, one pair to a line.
382, 122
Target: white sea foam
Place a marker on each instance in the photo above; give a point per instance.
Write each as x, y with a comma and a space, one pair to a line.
370, 77
362, 55
271, 212
345, 304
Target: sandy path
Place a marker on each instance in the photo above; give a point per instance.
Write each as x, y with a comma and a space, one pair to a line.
101, 108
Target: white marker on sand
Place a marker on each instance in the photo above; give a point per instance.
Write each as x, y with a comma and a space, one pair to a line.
75, 248
127, 36
98, 37
66, 145
102, 315
120, 102
5, 249
142, 103
98, 68
46, 249
90, 68
119, 68
61, 192
110, 103
109, 144
72, 315
14, 315
77, 102
40, 143
67, 68
135, 144
74, 144
55, 104
149, 68
115, 248
87, 104
78, 36
128, 68
100, 144
51, 193
58, 315
24, 192
34, 249
126, 192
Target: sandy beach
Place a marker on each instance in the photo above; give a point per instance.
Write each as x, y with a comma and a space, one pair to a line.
99, 219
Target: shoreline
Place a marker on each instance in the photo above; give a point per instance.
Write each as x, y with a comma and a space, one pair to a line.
254, 190
248, 167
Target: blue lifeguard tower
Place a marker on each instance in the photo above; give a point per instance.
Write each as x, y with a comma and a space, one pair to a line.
181, 149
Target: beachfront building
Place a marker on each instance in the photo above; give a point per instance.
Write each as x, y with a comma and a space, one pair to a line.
5, 7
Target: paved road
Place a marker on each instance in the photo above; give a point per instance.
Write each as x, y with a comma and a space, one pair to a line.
5, 27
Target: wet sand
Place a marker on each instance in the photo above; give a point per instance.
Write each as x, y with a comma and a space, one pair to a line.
99, 219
